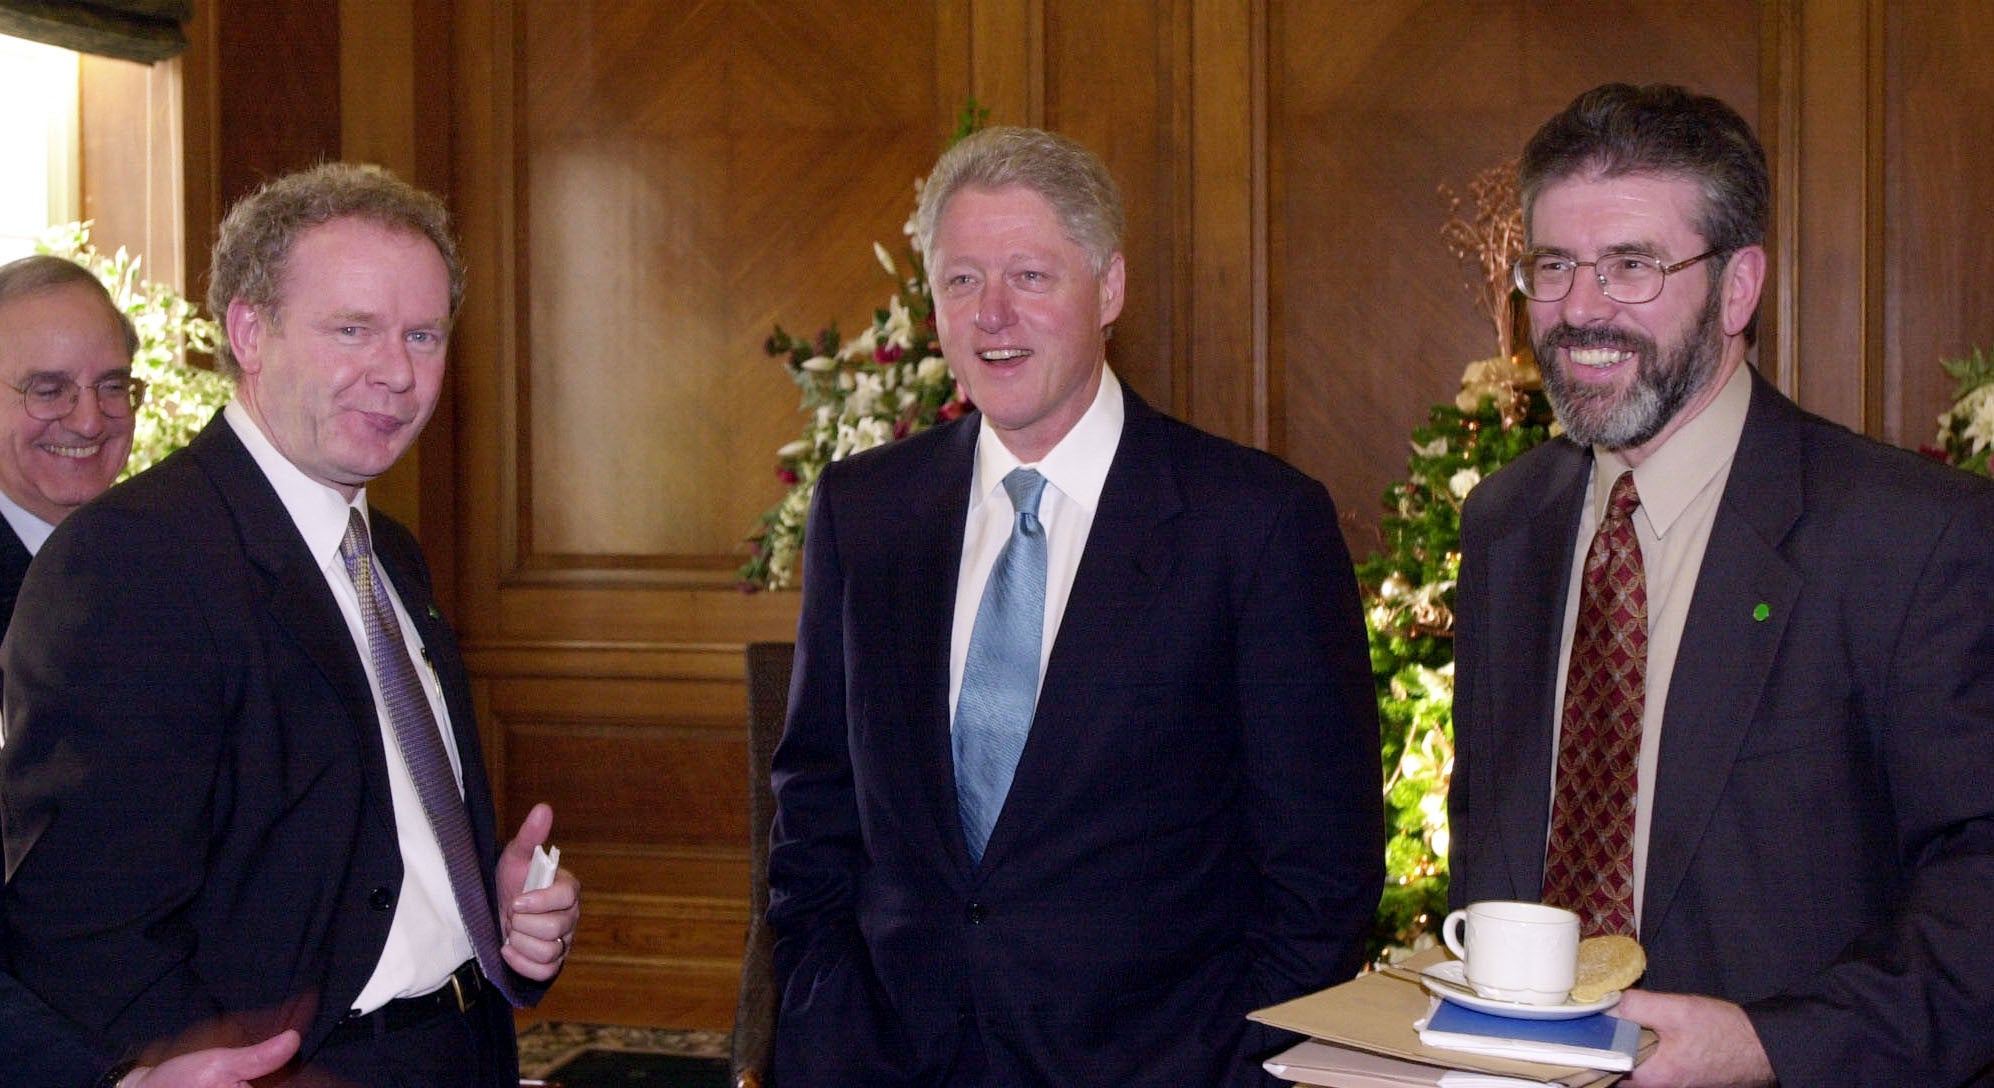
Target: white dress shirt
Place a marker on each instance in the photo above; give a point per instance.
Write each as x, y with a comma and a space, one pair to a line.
426, 940
32, 530
1074, 471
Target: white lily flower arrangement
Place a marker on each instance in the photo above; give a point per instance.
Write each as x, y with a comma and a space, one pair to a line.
886, 383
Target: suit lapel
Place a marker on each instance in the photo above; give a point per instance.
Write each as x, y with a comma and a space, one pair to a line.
293, 592
925, 565
14, 559
1129, 554
1529, 571
1727, 652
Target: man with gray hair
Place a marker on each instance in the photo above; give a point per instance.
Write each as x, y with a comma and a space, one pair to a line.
62, 337
267, 723
1081, 762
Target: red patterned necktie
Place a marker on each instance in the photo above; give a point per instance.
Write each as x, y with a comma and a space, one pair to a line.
1589, 865
421, 746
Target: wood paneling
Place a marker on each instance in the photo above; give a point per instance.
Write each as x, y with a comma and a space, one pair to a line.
1938, 249
676, 165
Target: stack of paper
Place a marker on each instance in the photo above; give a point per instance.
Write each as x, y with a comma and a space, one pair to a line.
1371, 1017
1319, 1063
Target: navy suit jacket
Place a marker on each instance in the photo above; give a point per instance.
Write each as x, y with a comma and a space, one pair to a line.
1822, 846
197, 817
37, 1046
1194, 828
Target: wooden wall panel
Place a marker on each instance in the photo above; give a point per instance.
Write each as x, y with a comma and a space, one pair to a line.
646, 772
1938, 242
690, 175
1371, 108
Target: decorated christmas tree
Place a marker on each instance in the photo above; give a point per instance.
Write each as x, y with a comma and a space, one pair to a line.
1499, 412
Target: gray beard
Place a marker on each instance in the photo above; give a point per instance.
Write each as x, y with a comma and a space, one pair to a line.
1618, 421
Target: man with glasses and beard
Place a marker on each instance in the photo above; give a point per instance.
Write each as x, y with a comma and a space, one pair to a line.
1725, 671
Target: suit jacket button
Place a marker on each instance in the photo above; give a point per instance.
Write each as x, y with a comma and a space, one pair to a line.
975, 913
382, 899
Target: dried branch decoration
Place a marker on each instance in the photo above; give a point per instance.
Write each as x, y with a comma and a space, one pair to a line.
1492, 241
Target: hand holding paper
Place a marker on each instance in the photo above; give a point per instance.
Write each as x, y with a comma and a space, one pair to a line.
539, 902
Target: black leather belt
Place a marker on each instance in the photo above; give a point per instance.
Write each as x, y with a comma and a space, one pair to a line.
456, 996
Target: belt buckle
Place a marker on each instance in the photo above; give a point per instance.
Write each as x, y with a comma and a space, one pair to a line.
457, 992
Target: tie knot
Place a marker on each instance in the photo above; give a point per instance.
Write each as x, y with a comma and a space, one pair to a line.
1622, 500
354, 545
1025, 485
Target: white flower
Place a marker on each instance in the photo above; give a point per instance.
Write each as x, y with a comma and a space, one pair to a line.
858, 347
885, 260
820, 364
899, 326
1431, 449
1977, 410
931, 370
795, 449
864, 397
1463, 482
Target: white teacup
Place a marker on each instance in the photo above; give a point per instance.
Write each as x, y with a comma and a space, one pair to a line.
1523, 952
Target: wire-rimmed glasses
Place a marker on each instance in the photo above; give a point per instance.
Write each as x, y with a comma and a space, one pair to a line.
49, 397
1629, 277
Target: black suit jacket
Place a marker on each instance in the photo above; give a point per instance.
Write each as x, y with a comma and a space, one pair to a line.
37, 1046
14, 559
1194, 826
197, 815
1822, 847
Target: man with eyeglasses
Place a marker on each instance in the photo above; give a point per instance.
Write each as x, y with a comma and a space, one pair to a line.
1724, 670
66, 349
66, 354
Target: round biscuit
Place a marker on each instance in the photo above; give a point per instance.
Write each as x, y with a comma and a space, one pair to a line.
1607, 963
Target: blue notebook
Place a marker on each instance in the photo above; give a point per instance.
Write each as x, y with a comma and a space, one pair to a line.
1598, 1041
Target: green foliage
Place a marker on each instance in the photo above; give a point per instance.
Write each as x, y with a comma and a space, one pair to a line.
1409, 597
180, 398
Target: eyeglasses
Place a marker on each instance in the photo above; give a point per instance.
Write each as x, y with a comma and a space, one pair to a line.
51, 397
1629, 277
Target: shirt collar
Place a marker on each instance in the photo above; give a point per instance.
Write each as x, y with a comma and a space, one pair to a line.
32, 530
1077, 466
319, 512
1685, 464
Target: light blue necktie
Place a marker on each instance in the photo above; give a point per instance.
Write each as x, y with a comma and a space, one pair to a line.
1000, 678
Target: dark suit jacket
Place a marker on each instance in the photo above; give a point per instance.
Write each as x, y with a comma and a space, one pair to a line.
1194, 826
37, 1046
1822, 849
196, 805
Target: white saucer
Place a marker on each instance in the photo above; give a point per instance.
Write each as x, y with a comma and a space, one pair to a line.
1452, 971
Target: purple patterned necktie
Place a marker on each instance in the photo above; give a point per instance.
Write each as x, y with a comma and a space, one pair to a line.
422, 752
1589, 864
